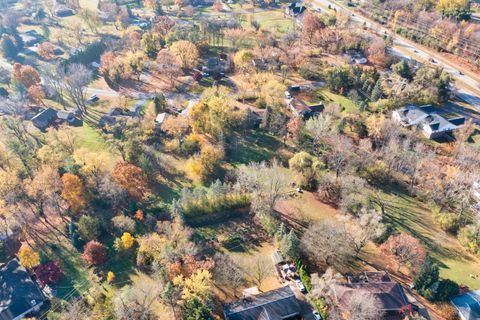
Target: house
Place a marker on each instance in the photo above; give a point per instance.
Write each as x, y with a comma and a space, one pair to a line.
428, 120
63, 11
278, 304
357, 56
19, 294
45, 118
67, 116
30, 38
300, 109
390, 294
295, 8
468, 305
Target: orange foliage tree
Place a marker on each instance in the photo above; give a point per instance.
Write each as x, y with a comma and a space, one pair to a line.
26, 75
132, 179
73, 192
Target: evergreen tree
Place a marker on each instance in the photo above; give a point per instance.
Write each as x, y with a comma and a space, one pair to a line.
377, 91
158, 8
426, 281
9, 50
403, 70
289, 245
195, 309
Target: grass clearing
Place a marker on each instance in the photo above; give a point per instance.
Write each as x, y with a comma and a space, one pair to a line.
347, 104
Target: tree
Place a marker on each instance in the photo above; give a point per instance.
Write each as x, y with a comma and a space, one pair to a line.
306, 167
364, 306
94, 253
243, 61
403, 69
26, 75
36, 94
311, 26
151, 44
132, 179
185, 52
195, 309
124, 223
9, 50
366, 227
228, 273
76, 80
28, 258
91, 19
110, 277
406, 249
426, 279
137, 301
53, 79
89, 227
73, 192
469, 237
46, 50
290, 245
49, 273
127, 240
197, 286
326, 242
340, 154
259, 269
323, 287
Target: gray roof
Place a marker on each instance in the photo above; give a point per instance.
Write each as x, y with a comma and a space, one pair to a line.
18, 292
427, 117
275, 304
65, 115
277, 257
45, 117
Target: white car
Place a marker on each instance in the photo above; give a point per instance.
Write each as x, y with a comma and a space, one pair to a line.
288, 95
317, 315
299, 285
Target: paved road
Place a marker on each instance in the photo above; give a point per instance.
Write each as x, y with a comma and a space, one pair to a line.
468, 88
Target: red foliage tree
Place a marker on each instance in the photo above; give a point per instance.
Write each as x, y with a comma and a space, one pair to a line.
311, 26
406, 249
94, 253
49, 273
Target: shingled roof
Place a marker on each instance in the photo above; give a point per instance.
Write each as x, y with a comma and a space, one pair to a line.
389, 293
19, 294
275, 304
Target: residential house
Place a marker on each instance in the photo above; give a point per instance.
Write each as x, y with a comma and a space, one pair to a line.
468, 305
357, 56
300, 109
20, 296
295, 8
30, 38
432, 124
67, 116
279, 304
45, 118
63, 11
390, 294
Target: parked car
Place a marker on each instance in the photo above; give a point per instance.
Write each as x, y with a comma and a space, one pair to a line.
299, 285
288, 95
93, 98
317, 315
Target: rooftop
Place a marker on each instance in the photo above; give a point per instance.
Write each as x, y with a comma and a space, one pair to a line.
275, 304
18, 292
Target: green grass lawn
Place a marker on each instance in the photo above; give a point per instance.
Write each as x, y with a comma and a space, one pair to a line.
273, 20
414, 217
347, 104
256, 146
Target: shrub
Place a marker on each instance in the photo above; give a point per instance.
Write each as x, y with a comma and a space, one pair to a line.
447, 221
89, 227
304, 276
447, 311
190, 145
468, 237
446, 290
321, 307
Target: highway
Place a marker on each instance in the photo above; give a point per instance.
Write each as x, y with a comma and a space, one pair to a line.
466, 83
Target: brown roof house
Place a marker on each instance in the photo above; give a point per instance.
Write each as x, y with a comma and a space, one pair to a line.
390, 293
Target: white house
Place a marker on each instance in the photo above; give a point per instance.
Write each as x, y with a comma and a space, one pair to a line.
432, 124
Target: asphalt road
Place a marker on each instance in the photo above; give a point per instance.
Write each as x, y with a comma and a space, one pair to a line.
467, 85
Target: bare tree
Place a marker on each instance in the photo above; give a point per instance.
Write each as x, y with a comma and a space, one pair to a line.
228, 273
54, 76
75, 310
360, 231
322, 287
364, 306
259, 269
76, 80
326, 242
340, 154
137, 300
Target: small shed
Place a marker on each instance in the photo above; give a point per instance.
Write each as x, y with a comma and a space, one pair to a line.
66, 116
277, 257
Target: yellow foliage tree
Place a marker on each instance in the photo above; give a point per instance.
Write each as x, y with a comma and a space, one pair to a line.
110, 276
28, 257
185, 52
73, 192
452, 5
127, 240
199, 285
